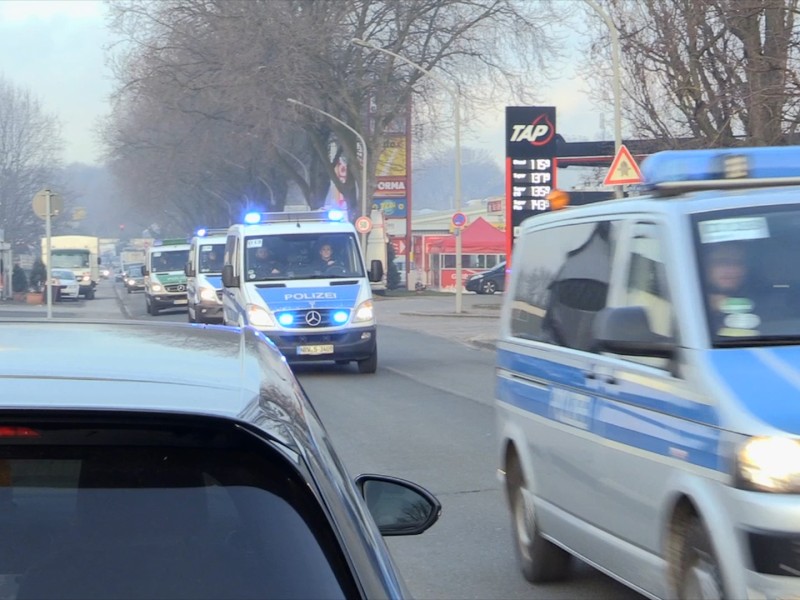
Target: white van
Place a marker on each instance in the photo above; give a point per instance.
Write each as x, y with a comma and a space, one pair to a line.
647, 383
204, 276
301, 279
165, 275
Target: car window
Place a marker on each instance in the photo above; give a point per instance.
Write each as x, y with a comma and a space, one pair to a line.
105, 512
563, 283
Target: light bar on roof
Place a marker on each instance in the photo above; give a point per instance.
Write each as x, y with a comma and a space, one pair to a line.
678, 171
335, 214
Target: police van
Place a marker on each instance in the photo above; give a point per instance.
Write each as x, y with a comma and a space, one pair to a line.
300, 278
647, 389
204, 276
165, 275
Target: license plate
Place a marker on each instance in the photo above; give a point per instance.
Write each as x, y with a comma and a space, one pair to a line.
184, 301
315, 349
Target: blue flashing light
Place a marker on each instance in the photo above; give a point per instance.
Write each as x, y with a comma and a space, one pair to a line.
286, 319
336, 215
252, 218
340, 316
673, 168
202, 232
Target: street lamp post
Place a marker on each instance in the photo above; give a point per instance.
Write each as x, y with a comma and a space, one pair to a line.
616, 84
456, 93
363, 166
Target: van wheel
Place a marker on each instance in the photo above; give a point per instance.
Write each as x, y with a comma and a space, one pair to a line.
151, 309
540, 559
489, 287
369, 365
699, 575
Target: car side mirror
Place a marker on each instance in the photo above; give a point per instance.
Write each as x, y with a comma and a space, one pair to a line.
188, 270
626, 330
229, 280
99, 261
375, 271
399, 507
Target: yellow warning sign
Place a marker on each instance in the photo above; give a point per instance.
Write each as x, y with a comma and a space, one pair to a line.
624, 170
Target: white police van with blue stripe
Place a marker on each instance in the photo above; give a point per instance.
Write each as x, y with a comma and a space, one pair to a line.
204, 276
648, 381
300, 278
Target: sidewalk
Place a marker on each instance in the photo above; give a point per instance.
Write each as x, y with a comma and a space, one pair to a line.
476, 324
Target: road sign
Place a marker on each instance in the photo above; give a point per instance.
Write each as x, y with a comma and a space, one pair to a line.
40, 204
624, 170
363, 224
459, 219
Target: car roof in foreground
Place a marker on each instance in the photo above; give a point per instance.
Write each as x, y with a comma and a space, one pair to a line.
159, 367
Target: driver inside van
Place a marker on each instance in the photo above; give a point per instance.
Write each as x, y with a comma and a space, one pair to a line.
731, 307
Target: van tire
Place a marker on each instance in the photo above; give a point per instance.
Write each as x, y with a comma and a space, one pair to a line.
369, 365
151, 309
699, 574
540, 559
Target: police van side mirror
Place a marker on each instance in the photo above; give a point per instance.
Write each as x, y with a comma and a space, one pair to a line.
145, 272
187, 268
626, 330
375, 271
229, 280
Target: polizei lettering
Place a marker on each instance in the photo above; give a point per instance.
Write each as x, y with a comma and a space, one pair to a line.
310, 296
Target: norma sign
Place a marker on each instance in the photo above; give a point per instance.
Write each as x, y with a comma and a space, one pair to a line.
363, 224
530, 161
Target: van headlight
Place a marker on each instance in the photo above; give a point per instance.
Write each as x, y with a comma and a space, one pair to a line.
770, 464
364, 312
258, 316
208, 294
156, 288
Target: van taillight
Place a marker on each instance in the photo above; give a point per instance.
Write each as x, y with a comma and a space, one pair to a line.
17, 432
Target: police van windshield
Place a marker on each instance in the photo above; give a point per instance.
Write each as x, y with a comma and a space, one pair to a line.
164, 261
301, 256
211, 258
750, 274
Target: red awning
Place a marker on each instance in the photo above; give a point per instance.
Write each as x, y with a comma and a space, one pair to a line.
479, 237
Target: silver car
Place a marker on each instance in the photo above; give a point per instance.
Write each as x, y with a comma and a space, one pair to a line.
178, 461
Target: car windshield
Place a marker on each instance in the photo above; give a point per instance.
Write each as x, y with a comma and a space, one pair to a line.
748, 274
135, 270
154, 512
302, 256
62, 274
163, 261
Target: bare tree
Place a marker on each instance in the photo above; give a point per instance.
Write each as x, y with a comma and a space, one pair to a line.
29, 146
718, 72
205, 80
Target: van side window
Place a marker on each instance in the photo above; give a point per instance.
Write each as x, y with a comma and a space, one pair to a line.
646, 285
563, 283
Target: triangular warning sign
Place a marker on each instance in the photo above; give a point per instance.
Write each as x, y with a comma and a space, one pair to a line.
624, 170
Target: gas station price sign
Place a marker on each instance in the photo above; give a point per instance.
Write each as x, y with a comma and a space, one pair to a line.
530, 161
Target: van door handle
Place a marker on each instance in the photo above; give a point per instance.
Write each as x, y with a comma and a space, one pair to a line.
589, 375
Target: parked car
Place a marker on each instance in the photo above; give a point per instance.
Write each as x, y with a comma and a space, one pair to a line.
64, 284
488, 282
134, 278
170, 460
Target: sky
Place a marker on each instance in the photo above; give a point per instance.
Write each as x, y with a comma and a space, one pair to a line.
56, 50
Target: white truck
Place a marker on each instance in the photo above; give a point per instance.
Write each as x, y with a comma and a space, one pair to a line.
78, 253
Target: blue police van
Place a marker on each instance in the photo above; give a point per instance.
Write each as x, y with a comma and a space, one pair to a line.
648, 381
